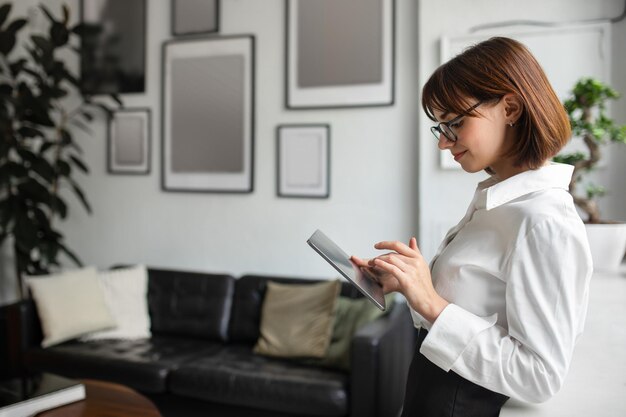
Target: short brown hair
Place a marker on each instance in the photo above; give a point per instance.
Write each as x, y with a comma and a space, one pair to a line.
486, 72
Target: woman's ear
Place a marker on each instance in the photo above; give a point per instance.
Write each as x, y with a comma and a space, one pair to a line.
513, 107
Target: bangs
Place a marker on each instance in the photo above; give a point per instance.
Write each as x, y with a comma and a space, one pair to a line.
445, 92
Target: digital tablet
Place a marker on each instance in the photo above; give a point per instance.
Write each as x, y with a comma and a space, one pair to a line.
342, 263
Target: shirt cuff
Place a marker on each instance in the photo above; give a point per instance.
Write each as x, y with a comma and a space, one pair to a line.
450, 334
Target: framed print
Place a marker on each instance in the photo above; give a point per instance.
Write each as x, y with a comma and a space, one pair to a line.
303, 161
195, 16
339, 53
113, 46
208, 114
129, 142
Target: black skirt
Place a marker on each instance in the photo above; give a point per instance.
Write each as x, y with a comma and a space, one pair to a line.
433, 392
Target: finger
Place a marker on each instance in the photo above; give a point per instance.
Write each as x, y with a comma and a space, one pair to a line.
369, 273
388, 256
399, 247
397, 261
370, 262
389, 267
359, 261
413, 244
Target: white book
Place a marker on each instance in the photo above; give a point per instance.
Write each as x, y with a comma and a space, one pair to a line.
25, 397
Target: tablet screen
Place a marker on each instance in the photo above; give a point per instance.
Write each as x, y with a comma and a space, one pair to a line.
340, 260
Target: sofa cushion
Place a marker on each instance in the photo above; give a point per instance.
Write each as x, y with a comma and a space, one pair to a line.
140, 364
70, 304
297, 320
190, 303
245, 317
126, 296
237, 376
350, 315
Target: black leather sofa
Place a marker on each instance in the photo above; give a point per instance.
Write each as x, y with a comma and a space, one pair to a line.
199, 360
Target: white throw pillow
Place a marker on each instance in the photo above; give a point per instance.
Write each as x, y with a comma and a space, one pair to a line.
126, 295
70, 304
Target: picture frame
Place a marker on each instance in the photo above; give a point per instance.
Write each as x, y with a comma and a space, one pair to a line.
128, 144
303, 160
192, 17
113, 46
339, 54
208, 114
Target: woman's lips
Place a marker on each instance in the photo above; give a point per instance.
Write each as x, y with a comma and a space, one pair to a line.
458, 156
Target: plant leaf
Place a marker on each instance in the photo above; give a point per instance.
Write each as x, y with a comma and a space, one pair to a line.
5, 9
45, 146
104, 108
6, 89
34, 190
47, 13
7, 42
87, 115
83, 127
63, 168
66, 14
16, 25
26, 155
29, 132
81, 196
16, 170
25, 233
57, 205
17, 66
42, 167
44, 44
117, 99
71, 254
79, 163
59, 34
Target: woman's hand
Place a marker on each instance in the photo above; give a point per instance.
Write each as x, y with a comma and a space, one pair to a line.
384, 278
405, 270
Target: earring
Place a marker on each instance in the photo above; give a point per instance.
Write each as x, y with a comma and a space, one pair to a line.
511, 124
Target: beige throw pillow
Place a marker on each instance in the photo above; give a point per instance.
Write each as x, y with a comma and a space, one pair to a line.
69, 304
297, 319
126, 296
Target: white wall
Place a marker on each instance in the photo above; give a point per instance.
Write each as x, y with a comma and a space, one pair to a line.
375, 155
444, 195
615, 202
373, 172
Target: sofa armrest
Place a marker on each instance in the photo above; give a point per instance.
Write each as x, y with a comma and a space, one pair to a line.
22, 330
381, 354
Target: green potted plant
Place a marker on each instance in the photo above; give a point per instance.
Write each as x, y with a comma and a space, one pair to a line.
40, 105
586, 108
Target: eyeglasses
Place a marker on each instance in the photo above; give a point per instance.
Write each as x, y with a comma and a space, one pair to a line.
447, 128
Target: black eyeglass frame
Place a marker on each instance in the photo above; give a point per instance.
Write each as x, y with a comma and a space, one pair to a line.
438, 131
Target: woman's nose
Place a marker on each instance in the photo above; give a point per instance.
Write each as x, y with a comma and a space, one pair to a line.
444, 143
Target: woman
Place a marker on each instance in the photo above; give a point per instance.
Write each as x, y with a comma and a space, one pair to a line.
505, 298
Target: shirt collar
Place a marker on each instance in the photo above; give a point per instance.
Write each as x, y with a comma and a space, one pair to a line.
494, 192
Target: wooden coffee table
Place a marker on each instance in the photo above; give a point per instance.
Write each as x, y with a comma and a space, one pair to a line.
105, 399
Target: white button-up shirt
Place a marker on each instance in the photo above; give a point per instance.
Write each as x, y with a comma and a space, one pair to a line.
516, 271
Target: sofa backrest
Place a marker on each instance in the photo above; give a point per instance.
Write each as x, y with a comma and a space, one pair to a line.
245, 316
190, 303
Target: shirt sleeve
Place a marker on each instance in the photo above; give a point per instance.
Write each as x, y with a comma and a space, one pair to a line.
547, 294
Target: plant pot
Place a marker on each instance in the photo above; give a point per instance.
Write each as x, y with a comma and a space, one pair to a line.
608, 244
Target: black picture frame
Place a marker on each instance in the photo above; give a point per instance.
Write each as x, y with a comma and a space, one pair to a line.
303, 176
136, 148
113, 60
212, 26
206, 68
328, 84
